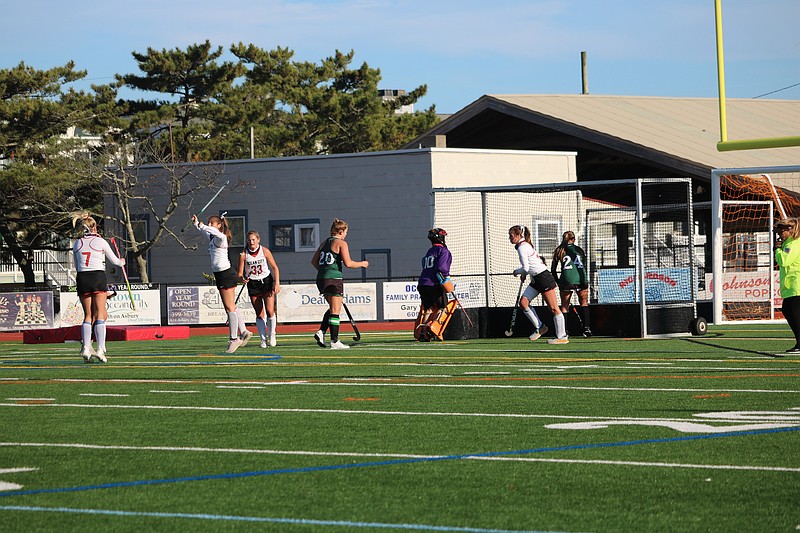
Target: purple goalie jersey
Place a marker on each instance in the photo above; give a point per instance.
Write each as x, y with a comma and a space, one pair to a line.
436, 261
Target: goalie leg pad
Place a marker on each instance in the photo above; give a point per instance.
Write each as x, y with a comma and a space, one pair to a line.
441, 319
422, 331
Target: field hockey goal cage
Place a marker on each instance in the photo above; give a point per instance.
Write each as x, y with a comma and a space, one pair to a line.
746, 205
638, 235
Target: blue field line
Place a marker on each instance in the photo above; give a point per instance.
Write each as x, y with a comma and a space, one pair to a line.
235, 475
293, 521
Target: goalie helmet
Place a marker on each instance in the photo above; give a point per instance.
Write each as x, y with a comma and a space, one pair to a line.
437, 235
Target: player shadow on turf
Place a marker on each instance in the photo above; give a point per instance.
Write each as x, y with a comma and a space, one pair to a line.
733, 349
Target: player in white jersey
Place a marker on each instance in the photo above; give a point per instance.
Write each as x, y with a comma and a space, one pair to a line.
90, 253
542, 282
258, 269
225, 276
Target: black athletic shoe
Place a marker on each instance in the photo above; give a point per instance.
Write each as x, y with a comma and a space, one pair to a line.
587, 333
796, 349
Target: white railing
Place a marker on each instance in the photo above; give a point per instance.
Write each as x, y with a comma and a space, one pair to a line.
47, 264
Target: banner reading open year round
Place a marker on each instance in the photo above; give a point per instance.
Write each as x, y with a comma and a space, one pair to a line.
202, 305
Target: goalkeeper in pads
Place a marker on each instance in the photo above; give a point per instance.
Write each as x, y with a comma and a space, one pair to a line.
433, 285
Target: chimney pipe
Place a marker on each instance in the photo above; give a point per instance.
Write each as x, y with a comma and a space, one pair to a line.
584, 78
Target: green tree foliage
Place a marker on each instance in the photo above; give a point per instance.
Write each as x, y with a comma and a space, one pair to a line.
31, 110
42, 175
193, 77
209, 110
324, 108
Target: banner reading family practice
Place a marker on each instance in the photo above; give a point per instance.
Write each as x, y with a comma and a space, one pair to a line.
146, 299
401, 300
22, 310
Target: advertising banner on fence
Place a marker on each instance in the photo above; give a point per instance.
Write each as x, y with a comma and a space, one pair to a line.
201, 304
401, 300
303, 303
747, 287
146, 300
21, 310
619, 285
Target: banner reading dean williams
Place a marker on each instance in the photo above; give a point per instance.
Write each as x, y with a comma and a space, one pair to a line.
303, 303
620, 286
146, 299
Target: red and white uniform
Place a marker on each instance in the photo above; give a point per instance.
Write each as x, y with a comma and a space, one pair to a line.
90, 252
255, 264
532, 263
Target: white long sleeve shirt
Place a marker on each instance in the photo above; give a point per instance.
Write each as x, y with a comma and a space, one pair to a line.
532, 263
217, 247
90, 252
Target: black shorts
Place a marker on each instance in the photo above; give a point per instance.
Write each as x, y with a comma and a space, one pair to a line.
543, 282
226, 279
91, 282
331, 286
565, 286
260, 287
431, 296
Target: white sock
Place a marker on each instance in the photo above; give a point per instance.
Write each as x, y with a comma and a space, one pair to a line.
100, 334
262, 328
242, 323
561, 330
233, 324
272, 322
533, 317
86, 333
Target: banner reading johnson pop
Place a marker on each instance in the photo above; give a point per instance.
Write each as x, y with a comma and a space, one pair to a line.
21, 310
145, 311
619, 285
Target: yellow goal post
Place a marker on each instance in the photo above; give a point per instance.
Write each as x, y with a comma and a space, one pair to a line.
725, 145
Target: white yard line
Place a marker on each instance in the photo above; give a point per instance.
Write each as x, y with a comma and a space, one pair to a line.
247, 451
720, 419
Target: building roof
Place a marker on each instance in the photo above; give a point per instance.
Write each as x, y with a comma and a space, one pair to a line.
626, 136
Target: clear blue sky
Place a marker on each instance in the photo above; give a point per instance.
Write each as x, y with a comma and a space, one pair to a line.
461, 49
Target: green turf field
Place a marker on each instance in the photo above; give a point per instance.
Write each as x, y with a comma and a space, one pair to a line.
602, 434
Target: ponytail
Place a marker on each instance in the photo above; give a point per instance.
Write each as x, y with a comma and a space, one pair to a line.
224, 223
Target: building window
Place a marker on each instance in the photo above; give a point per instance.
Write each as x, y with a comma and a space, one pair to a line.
237, 223
547, 236
281, 238
306, 237
294, 235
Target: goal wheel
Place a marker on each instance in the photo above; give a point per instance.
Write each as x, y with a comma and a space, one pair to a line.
698, 326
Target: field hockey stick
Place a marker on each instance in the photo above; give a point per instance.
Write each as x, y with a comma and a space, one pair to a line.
240, 294
352, 323
516, 308
205, 206
458, 303
124, 273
